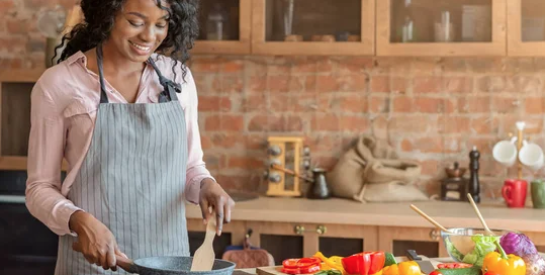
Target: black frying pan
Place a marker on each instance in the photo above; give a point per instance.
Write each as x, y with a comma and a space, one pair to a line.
172, 265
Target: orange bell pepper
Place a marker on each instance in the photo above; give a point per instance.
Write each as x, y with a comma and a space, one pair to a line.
403, 268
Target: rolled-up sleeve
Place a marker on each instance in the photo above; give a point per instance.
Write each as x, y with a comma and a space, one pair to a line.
44, 198
196, 168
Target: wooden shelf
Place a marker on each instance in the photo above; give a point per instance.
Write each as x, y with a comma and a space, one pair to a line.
16, 163
25, 76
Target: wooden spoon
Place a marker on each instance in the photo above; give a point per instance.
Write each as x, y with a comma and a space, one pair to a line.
204, 256
434, 222
488, 231
462, 243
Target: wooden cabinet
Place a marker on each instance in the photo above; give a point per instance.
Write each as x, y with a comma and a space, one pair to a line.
397, 240
313, 27
526, 28
441, 28
224, 27
15, 89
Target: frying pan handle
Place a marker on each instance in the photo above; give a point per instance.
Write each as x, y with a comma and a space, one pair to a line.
127, 264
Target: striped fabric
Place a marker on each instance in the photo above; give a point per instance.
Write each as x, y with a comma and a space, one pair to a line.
132, 179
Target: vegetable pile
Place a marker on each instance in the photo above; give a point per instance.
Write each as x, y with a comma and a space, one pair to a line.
511, 254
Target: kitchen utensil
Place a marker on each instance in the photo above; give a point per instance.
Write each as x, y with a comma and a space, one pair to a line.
284, 152
290, 172
454, 186
514, 192
538, 193
318, 189
425, 266
428, 218
172, 265
474, 185
488, 231
203, 259
461, 241
531, 155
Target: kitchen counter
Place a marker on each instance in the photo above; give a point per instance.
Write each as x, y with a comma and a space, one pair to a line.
343, 211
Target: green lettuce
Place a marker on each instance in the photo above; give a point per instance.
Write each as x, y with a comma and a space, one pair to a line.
483, 246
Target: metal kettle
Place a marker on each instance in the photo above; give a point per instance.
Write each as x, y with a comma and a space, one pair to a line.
318, 186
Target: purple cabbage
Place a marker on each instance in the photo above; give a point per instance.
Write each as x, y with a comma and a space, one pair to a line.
517, 244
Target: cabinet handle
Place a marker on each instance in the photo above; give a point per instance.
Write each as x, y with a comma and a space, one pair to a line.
300, 230
435, 235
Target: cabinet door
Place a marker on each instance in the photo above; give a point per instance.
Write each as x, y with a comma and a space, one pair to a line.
526, 28
224, 27
282, 240
315, 27
344, 240
232, 235
441, 28
397, 240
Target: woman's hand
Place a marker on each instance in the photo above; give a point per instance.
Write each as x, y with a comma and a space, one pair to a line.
95, 241
213, 196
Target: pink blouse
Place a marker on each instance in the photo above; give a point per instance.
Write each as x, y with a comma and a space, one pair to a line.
64, 102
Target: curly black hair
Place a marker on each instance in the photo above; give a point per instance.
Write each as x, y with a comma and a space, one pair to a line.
100, 16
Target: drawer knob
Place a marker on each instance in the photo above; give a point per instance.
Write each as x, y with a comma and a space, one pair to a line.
435, 235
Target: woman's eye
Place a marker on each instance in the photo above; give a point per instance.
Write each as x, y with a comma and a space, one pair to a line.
161, 26
135, 24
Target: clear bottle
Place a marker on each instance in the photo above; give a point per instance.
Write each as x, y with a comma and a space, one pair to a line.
217, 24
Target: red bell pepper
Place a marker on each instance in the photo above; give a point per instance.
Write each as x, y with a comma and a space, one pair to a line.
366, 263
436, 272
301, 266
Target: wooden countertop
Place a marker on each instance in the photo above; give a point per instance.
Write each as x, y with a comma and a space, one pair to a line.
342, 211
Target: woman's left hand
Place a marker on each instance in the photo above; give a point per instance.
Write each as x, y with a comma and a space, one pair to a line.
212, 195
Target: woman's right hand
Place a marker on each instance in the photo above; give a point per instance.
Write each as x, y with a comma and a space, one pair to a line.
95, 240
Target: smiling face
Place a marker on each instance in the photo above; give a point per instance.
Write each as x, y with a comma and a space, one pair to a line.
139, 29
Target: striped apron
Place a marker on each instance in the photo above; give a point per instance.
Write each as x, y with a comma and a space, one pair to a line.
132, 179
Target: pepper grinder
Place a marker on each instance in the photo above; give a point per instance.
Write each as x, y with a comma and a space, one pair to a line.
474, 185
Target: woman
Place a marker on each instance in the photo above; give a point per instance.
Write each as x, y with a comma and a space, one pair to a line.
125, 120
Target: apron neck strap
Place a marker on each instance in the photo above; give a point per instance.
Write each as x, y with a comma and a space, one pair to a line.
103, 94
169, 87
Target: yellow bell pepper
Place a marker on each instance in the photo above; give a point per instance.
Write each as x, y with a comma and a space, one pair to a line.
333, 262
402, 268
511, 265
503, 264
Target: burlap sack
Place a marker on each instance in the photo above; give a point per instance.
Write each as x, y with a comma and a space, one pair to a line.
372, 171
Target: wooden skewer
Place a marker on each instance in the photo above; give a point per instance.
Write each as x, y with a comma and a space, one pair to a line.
479, 214
290, 172
434, 222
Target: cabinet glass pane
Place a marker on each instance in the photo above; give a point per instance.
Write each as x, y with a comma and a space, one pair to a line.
430, 249
340, 246
282, 247
533, 20
219, 20
15, 118
443, 21
313, 20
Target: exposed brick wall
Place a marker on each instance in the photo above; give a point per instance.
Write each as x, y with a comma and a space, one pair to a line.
431, 109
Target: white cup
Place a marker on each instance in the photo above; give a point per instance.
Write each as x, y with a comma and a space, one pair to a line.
505, 152
531, 156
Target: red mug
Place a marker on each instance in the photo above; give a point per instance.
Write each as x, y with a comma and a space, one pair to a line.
514, 192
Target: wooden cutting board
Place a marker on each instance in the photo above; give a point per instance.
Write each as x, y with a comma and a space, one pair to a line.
276, 270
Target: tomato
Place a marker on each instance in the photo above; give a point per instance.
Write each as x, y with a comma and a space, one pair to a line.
436, 272
454, 265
